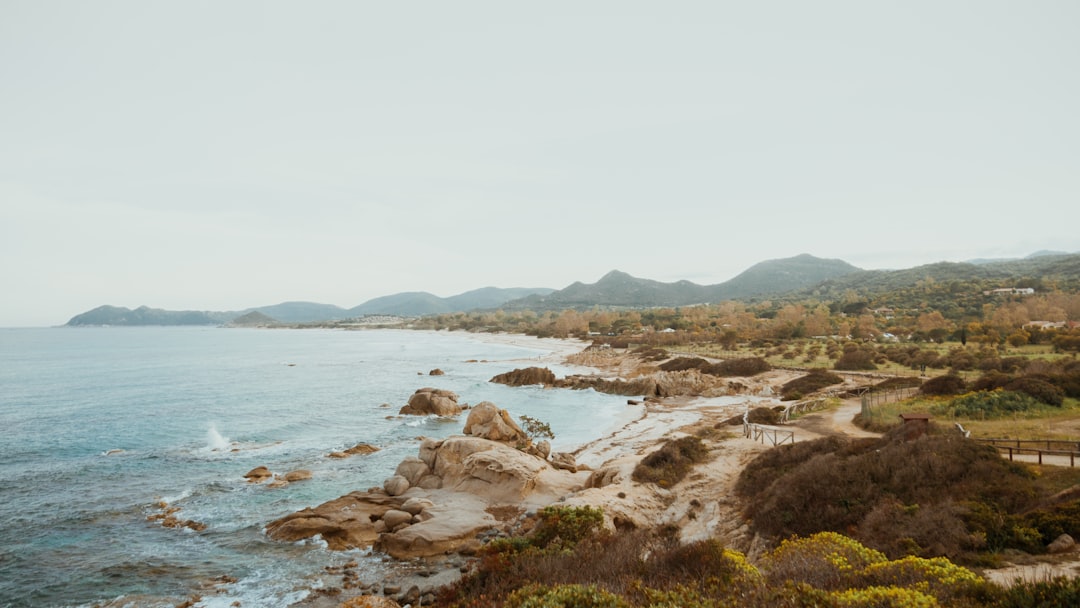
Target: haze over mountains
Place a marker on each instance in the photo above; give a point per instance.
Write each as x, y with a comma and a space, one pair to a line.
802, 274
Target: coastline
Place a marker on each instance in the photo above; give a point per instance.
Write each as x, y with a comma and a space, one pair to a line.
702, 508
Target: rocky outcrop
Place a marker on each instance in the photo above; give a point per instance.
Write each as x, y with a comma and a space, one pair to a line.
1062, 544
440, 500
489, 422
344, 523
432, 401
527, 377
361, 449
258, 475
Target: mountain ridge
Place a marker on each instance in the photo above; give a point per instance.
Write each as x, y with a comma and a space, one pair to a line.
803, 275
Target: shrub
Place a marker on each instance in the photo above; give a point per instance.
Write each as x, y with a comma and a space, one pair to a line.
943, 385
763, 415
986, 405
856, 360
937, 577
883, 597
704, 567
564, 596
668, 465
1058, 592
832, 484
825, 560
1039, 389
566, 526
679, 364
901, 530
815, 380
744, 368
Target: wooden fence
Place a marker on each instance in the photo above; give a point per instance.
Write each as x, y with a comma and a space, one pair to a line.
1055, 448
761, 432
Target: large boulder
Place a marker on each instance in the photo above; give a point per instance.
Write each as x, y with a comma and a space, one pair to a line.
432, 401
489, 422
527, 377
413, 469
344, 523
396, 485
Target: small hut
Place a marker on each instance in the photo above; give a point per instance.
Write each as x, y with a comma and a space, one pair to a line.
914, 425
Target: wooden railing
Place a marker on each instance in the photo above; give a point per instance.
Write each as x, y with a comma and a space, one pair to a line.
1039, 447
761, 432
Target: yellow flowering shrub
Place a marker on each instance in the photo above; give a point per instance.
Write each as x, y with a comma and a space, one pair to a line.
937, 576
826, 560
883, 597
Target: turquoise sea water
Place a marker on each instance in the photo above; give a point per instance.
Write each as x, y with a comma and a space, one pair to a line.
102, 424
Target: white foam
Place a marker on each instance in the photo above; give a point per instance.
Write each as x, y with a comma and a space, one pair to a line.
215, 441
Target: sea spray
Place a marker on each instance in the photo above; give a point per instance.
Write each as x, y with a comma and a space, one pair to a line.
214, 441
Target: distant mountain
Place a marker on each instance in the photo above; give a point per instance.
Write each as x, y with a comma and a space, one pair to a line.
780, 276
419, 303
302, 312
869, 283
618, 289
410, 304
802, 276
615, 289
143, 315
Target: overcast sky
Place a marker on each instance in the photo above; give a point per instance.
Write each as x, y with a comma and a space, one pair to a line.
225, 155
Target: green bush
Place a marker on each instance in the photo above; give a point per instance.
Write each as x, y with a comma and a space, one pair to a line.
563, 527
986, 405
1039, 389
668, 465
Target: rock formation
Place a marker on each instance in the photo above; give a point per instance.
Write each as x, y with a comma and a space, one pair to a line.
432, 401
438, 501
358, 449
526, 377
489, 422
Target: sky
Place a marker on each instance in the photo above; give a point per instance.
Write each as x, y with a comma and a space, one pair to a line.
225, 155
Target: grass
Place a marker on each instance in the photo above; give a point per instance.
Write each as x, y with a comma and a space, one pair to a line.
1044, 422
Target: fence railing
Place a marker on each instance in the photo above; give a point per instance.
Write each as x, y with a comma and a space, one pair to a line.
761, 432
1062, 448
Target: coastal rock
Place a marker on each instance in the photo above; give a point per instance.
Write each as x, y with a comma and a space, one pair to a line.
489, 422
416, 505
343, 523
258, 475
604, 477
298, 475
527, 377
1061, 544
543, 449
436, 372
358, 449
453, 528
432, 401
489, 469
564, 461
396, 485
413, 469
394, 518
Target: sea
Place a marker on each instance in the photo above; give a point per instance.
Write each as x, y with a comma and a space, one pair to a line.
105, 429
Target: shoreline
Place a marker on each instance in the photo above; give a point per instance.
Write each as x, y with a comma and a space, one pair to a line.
704, 508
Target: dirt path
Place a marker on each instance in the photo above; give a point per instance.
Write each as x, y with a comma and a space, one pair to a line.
833, 421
